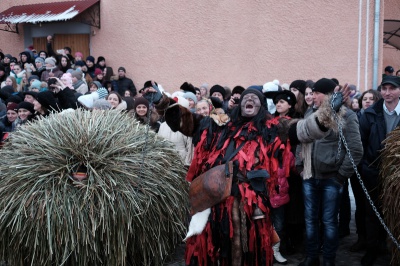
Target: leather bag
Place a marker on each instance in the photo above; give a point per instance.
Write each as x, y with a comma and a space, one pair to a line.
211, 187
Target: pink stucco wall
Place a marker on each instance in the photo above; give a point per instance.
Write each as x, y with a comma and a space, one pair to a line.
229, 42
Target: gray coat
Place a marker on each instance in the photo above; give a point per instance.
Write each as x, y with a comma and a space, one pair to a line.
326, 161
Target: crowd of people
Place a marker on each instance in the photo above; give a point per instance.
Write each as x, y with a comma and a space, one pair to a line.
292, 171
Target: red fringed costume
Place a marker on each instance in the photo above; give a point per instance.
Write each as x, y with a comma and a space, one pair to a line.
263, 150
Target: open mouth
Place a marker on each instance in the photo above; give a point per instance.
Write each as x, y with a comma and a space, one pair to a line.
249, 106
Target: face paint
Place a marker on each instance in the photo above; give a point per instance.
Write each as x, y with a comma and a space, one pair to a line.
250, 105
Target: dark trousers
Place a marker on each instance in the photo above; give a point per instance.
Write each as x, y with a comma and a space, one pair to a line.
360, 198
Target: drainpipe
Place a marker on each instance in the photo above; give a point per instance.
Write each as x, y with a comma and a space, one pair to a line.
377, 42
367, 65
359, 44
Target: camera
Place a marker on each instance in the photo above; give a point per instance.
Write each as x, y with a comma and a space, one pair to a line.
236, 100
51, 81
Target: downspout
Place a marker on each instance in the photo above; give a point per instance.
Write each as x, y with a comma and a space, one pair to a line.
367, 65
377, 42
359, 45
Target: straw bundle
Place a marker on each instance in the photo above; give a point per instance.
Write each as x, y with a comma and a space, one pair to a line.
129, 211
390, 174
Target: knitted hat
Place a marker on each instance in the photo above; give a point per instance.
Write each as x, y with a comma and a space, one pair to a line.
389, 69
300, 85
12, 106
77, 74
238, 90
32, 78
32, 93
14, 99
98, 84
50, 60
27, 106
217, 88
98, 71
287, 96
324, 86
103, 92
47, 100
36, 84
100, 58
188, 87
256, 92
271, 88
6, 92
101, 104
393, 80
189, 95
39, 59
140, 100
122, 68
80, 63
79, 54
90, 58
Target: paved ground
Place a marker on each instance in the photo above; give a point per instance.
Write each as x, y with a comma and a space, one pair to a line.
344, 256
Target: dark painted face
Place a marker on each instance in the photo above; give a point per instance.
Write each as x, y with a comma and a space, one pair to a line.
250, 105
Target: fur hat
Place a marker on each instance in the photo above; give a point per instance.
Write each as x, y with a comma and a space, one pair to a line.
325, 86
47, 100
188, 87
88, 100
12, 106
103, 92
90, 58
189, 95
217, 88
100, 58
287, 96
39, 59
181, 101
238, 90
27, 106
122, 68
300, 85
50, 60
146, 85
98, 71
140, 100
101, 104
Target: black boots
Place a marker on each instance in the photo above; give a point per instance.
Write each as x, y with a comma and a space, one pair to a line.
310, 262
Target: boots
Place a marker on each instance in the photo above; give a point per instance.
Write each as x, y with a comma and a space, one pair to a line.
277, 255
361, 244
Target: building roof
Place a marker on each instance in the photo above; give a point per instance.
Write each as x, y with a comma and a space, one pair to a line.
47, 12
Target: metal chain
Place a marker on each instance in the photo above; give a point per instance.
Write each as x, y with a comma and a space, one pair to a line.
342, 138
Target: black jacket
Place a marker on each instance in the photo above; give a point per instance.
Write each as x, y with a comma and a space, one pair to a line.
373, 132
126, 84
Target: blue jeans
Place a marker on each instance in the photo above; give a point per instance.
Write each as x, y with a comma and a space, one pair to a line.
278, 220
324, 195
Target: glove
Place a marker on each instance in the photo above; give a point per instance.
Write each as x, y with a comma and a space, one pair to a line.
336, 101
153, 97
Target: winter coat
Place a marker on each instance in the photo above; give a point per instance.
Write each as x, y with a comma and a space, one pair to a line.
126, 84
66, 99
326, 161
183, 144
5, 125
373, 132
